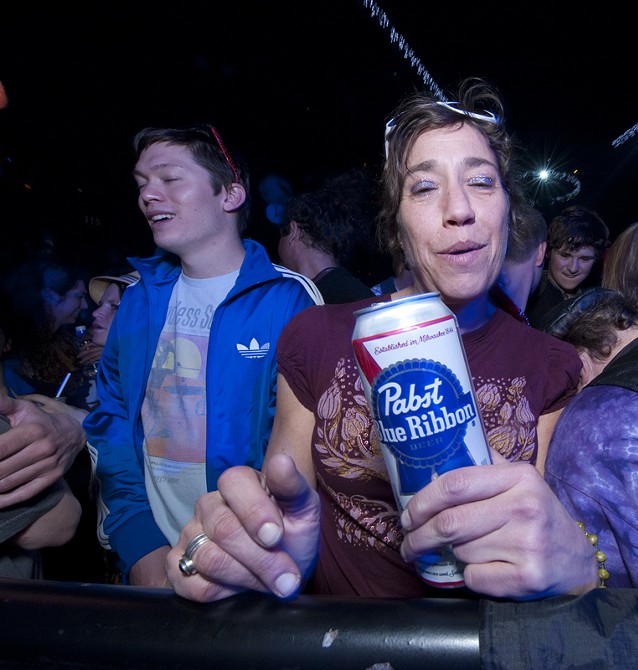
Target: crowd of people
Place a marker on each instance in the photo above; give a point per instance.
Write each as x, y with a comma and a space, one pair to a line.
231, 447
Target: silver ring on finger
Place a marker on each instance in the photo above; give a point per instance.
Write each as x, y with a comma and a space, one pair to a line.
186, 564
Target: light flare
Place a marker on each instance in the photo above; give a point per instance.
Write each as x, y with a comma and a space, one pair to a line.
548, 176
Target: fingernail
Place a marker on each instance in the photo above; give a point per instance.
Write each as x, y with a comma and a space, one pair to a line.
269, 534
286, 584
406, 522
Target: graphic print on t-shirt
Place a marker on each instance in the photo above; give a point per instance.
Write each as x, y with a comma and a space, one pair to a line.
174, 407
509, 423
175, 403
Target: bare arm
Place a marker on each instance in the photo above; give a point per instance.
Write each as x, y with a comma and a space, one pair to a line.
292, 432
37, 450
544, 430
55, 527
150, 570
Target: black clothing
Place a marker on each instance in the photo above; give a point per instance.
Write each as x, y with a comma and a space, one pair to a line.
339, 285
622, 370
544, 299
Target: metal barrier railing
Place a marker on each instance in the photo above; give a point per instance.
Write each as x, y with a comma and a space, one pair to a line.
69, 625
49, 624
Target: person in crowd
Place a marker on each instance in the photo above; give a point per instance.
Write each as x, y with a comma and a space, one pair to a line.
319, 233
576, 241
106, 292
618, 272
523, 266
46, 299
620, 267
37, 508
592, 463
97, 564
321, 512
187, 378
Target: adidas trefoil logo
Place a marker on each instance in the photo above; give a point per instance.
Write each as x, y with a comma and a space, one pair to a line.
254, 350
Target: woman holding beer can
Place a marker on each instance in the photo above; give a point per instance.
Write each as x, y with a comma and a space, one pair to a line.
322, 513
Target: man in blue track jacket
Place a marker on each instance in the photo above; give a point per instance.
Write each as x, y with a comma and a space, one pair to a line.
187, 379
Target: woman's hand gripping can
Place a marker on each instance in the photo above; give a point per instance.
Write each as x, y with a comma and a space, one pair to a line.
419, 389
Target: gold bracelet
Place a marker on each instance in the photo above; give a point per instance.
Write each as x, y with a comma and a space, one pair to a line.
601, 556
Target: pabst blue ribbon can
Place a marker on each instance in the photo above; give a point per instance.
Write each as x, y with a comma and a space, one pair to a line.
419, 389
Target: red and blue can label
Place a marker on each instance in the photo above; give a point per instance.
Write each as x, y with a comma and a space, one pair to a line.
419, 389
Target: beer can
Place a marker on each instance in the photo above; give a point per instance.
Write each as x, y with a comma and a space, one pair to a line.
421, 397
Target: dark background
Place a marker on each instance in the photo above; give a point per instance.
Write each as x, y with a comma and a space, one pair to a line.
301, 90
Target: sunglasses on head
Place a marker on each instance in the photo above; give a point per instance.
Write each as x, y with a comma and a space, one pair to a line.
487, 116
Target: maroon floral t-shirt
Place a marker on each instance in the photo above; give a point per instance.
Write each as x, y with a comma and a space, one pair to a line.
519, 373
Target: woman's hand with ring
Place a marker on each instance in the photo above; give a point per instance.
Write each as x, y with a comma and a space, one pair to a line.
264, 539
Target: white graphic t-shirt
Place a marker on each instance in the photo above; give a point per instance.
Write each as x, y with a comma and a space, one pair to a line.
174, 407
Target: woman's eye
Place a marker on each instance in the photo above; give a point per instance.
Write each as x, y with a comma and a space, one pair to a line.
482, 180
423, 186
114, 306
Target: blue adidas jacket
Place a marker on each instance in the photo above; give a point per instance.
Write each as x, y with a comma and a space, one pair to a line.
240, 389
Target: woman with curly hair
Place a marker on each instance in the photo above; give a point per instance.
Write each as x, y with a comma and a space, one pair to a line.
46, 299
321, 514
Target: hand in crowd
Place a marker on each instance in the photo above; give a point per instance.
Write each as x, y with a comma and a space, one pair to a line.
55, 406
504, 521
263, 530
89, 353
37, 450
